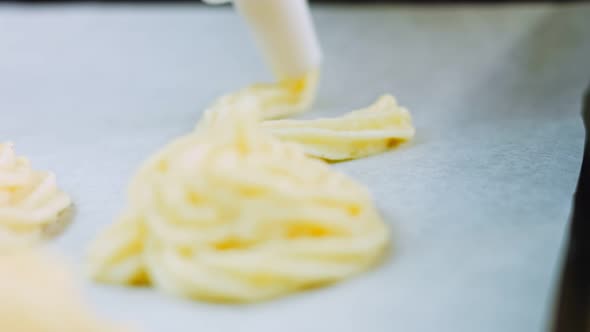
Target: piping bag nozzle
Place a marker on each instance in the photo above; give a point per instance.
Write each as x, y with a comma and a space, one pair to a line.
284, 32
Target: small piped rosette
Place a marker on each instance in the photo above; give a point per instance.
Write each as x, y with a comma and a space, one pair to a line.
31, 204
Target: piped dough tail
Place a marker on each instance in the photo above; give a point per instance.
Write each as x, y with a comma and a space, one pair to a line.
358, 134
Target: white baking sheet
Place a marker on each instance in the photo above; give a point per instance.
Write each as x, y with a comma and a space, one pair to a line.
478, 202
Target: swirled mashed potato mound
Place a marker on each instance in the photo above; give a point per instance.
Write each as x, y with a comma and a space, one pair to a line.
230, 213
30, 202
37, 295
357, 134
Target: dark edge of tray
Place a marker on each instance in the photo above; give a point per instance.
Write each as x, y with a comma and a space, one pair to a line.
572, 307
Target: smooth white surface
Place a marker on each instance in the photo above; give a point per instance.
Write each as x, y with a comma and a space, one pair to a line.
478, 203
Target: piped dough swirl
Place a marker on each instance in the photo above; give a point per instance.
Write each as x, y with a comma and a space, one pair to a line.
30, 201
230, 213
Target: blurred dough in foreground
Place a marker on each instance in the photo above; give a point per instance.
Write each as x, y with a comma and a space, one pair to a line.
357, 134
30, 201
37, 295
230, 213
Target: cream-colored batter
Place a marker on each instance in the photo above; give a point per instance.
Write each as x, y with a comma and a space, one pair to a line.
30, 201
273, 100
357, 134
37, 295
230, 213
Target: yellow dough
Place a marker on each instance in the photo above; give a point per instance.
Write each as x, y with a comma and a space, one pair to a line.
355, 135
230, 213
30, 201
278, 100
37, 295
361, 133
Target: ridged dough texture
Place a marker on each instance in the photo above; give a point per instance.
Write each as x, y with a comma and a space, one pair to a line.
279, 100
30, 201
230, 213
37, 295
357, 134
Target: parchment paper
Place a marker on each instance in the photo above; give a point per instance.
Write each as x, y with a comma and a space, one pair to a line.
478, 203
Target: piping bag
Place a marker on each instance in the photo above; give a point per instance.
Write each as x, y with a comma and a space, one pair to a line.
284, 31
